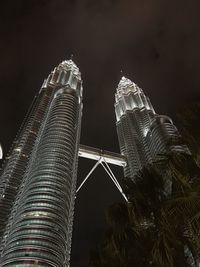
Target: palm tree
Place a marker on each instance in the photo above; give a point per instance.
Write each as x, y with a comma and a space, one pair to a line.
120, 242
158, 227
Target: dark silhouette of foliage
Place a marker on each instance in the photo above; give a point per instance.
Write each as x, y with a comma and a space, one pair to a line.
157, 226
189, 119
160, 226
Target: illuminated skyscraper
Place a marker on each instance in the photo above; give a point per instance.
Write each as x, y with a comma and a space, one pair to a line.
38, 180
143, 135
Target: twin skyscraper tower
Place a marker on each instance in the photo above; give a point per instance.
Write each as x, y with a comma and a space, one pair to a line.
38, 179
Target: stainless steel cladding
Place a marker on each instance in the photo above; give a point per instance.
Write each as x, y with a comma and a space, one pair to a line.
39, 228
143, 135
17, 160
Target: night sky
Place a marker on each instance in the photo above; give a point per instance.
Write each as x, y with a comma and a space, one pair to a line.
155, 42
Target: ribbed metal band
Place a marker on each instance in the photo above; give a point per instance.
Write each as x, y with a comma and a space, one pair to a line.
18, 158
132, 140
41, 230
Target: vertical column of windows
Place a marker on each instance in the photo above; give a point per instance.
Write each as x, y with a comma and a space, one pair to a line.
13, 170
40, 233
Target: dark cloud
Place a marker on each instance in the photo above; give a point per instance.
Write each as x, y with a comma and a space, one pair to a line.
155, 42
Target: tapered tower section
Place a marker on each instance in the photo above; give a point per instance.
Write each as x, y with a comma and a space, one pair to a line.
143, 135
38, 230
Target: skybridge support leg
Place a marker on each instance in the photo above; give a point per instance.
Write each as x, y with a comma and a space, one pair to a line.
114, 179
88, 175
102, 157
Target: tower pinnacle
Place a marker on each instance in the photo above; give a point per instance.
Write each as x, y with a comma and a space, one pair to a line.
65, 74
69, 65
125, 82
126, 86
